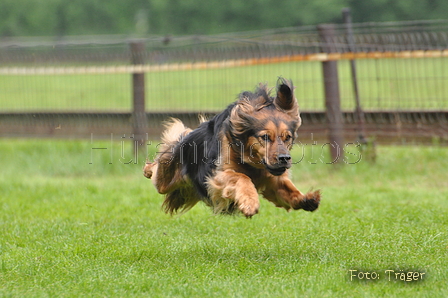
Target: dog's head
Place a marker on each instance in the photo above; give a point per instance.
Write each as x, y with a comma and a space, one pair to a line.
266, 126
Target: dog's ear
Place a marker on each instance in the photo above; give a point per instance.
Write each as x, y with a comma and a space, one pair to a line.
285, 95
241, 117
285, 99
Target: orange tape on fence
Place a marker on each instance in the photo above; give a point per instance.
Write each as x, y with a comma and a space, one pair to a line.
218, 64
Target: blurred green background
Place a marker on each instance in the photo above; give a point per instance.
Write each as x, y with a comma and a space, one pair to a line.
83, 17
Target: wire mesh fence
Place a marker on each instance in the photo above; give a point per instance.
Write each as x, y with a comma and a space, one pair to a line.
401, 69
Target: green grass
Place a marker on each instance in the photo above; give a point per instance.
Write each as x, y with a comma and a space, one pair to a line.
69, 228
383, 84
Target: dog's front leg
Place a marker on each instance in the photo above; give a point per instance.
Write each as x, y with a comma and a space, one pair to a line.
283, 193
229, 186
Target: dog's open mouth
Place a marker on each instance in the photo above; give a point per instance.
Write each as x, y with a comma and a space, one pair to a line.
276, 170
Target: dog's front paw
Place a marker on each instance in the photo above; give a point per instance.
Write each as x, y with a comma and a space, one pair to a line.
311, 201
308, 202
248, 206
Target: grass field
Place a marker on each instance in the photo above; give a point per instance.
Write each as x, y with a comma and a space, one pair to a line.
81, 223
383, 84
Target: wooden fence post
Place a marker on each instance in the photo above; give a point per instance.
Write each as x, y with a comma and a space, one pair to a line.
368, 148
332, 97
139, 121
359, 113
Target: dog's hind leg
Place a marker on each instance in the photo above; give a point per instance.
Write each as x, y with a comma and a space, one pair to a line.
149, 169
165, 171
180, 200
228, 187
180, 194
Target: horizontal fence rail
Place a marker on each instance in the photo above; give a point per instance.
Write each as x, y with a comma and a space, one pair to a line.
142, 68
405, 127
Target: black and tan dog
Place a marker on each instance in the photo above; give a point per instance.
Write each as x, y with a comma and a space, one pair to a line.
229, 159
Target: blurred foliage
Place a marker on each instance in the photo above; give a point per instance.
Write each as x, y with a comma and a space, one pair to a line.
81, 17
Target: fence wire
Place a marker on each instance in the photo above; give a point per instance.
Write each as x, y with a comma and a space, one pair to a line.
401, 69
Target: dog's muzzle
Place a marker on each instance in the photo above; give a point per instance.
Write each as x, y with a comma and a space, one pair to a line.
283, 163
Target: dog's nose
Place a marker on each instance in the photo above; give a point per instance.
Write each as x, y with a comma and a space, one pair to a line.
284, 158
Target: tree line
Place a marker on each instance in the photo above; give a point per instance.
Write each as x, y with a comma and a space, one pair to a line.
177, 17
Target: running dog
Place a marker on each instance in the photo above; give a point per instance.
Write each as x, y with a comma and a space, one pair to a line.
228, 160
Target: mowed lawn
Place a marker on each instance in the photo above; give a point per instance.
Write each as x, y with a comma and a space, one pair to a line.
77, 222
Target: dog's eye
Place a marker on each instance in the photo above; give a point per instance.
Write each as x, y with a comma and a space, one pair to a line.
287, 138
265, 138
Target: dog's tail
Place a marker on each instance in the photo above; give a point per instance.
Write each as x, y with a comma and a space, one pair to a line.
174, 131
